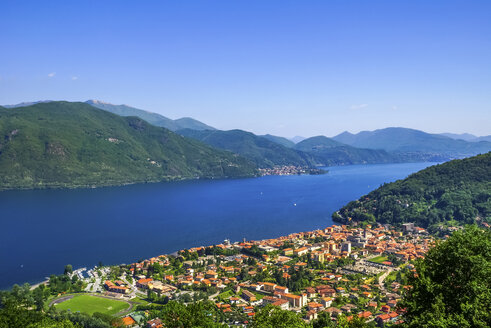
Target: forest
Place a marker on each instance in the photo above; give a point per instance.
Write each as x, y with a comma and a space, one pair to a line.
458, 191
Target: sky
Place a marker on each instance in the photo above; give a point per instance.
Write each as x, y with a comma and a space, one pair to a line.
280, 67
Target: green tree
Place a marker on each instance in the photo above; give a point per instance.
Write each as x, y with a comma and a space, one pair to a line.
323, 321
202, 314
353, 322
274, 317
49, 323
451, 287
68, 269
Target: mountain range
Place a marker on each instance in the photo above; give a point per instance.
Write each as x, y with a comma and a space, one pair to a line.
125, 110
390, 145
329, 152
405, 140
70, 144
403, 144
262, 151
269, 151
152, 118
467, 137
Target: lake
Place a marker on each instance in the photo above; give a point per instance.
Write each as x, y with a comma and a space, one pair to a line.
43, 230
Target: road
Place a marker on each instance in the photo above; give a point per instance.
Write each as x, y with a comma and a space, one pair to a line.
212, 297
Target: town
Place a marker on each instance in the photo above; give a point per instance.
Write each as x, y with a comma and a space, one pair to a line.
339, 270
290, 170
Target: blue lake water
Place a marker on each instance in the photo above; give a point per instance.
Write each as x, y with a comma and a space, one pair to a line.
42, 230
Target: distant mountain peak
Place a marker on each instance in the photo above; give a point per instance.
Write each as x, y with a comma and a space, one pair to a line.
317, 142
151, 117
27, 103
461, 136
95, 101
297, 139
411, 140
279, 140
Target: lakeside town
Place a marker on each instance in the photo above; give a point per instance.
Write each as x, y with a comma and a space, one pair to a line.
339, 270
290, 170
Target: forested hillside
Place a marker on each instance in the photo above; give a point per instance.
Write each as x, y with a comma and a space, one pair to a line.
63, 144
262, 151
328, 152
458, 190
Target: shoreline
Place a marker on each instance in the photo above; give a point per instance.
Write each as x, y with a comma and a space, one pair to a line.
324, 221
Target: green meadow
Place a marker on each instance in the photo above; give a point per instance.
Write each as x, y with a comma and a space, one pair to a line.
91, 304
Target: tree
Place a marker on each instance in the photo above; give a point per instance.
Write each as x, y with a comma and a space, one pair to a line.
201, 314
49, 323
451, 287
353, 322
151, 295
273, 317
323, 321
68, 269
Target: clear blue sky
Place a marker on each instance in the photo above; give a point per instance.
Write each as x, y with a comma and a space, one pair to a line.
281, 67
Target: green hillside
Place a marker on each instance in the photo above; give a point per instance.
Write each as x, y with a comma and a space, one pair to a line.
329, 152
457, 190
280, 140
265, 153
63, 144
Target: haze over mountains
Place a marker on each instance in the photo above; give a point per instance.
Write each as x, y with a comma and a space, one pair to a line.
467, 137
152, 118
262, 151
331, 152
389, 145
410, 140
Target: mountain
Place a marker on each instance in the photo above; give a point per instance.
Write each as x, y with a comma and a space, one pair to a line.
29, 103
467, 137
457, 190
317, 143
191, 123
484, 138
461, 136
264, 152
409, 140
328, 152
152, 118
279, 140
64, 144
346, 137
297, 139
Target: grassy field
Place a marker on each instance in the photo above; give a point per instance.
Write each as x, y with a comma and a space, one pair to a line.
90, 304
139, 300
226, 295
258, 295
379, 259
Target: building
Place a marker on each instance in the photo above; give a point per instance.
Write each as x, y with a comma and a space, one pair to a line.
301, 251
295, 301
407, 227
269, 287
110, 286
248, 296
287, 251
143, 283
155, 323
346, 247
326, 302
